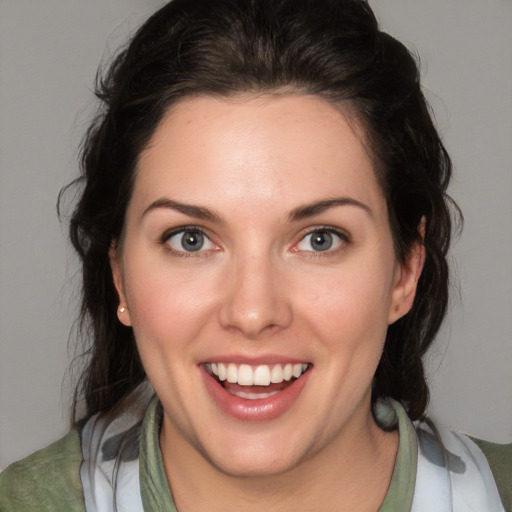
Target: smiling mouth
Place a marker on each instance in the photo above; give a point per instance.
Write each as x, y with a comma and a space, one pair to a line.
255, 382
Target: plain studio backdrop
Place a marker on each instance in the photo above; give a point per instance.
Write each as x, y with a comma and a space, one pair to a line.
49, 52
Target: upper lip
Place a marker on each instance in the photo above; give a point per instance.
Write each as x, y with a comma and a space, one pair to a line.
255, 361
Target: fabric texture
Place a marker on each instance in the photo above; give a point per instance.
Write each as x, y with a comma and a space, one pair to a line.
115, 464
452, 474
110, 448
499, 457
46, 481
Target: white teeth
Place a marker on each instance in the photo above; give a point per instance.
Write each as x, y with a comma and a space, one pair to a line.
297, 370
253, 396
262, 375
232, 373
222, 373
245, 377
276, 376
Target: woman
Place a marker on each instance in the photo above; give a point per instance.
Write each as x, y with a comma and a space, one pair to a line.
263, 228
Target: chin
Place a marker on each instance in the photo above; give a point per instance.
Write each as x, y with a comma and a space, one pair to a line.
254, 465
256, 455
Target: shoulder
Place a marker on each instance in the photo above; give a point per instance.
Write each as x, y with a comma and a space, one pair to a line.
49, 479
499, 457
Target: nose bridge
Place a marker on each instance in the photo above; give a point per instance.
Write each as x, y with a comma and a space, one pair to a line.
255, 300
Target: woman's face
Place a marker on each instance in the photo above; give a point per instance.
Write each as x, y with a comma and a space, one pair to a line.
259, 276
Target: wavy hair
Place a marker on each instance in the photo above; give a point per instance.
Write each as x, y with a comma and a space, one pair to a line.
330, 48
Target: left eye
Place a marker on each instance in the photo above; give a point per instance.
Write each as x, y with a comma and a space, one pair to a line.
320, 240
189, 240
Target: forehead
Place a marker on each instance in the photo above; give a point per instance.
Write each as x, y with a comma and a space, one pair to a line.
287, 148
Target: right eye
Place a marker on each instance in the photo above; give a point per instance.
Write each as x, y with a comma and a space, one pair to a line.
188, 240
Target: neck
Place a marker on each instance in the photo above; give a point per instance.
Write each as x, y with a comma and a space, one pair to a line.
336, 478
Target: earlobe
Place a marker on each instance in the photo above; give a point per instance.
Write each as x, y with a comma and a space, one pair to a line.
123, 312
408, 276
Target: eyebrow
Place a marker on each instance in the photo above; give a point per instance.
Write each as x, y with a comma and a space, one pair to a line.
302, 212
199, 212
318, 207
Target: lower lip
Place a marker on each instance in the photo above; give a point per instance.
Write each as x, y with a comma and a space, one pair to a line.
261, 409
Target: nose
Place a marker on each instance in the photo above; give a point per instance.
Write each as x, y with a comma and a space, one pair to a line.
255, 300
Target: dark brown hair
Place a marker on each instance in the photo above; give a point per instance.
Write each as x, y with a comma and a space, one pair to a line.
330, 48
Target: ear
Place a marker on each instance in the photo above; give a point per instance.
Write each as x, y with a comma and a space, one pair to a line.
123, 313
406, 279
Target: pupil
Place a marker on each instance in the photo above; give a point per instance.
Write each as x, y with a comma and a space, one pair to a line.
321, 241
192, 241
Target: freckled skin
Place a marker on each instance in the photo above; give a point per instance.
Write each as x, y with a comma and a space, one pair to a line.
258, 288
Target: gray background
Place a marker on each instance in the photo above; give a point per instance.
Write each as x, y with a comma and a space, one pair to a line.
49, 51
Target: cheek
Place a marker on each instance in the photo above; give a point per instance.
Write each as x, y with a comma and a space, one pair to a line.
166, 307
353, 298
352, 328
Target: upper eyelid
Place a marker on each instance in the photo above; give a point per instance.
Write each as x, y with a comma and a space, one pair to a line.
168, 233
164, 240
343, 233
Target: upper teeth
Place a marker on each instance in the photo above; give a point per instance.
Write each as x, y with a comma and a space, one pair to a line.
262, 375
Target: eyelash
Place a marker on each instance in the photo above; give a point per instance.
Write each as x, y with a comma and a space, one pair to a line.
167, 235
343, 236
